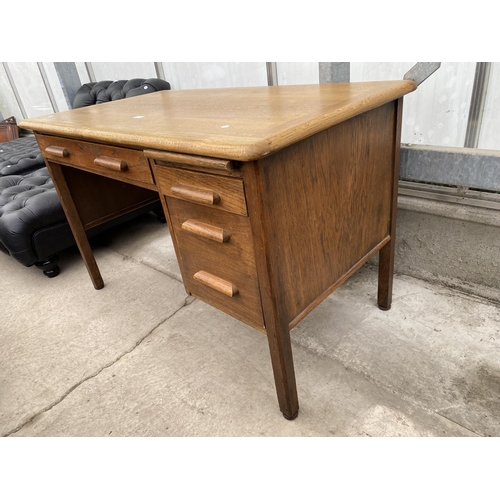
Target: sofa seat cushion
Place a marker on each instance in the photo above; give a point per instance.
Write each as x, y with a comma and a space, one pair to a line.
20, 156
28, 203
16, 190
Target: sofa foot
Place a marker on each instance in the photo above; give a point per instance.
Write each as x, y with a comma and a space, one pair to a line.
49, 266
160, 215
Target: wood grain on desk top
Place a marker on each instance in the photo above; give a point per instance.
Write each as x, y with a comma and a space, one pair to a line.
244, 123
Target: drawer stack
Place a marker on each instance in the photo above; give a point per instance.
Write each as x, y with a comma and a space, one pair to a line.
211, 231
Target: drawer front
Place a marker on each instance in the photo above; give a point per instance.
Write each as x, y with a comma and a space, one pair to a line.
215, 191
123, 164
202, 164
217, 259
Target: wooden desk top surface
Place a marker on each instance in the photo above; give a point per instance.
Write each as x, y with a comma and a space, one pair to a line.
244, 123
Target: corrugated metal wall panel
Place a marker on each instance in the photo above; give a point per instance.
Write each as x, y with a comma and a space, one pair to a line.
297, 73
200, 75
8, 102
123, 70
436, 114
489, 135
31, 88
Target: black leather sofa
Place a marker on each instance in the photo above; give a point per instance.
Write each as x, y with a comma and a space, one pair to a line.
33, 227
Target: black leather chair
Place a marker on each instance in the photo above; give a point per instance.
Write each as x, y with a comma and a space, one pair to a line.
33, 227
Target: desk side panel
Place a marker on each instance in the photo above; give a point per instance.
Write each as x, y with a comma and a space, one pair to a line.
326, 205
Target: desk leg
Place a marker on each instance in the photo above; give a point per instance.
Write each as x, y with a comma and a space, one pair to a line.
75, 223
277, 328
385, 275
284, 375
386, 254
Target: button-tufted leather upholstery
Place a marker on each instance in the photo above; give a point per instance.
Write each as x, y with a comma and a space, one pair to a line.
97, 93
33, 226
20, 156
28, 203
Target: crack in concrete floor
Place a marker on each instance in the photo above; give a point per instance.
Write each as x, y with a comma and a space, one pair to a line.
187, 301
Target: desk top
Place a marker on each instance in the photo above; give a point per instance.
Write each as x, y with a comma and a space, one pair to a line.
244, 123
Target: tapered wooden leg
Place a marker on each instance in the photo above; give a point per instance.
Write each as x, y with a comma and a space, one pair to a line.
75, 223
276, 321
385, 275
386, 254
284, 375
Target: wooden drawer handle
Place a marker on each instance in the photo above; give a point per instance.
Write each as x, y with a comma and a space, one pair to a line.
111, 163
206, 230
193, 193
57, 151
216, 283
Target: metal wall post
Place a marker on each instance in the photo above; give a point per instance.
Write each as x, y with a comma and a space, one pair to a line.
478, 99
69, 80
90, 71
160, 72
272, 73
46, 83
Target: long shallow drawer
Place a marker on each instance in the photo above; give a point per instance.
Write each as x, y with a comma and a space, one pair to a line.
216, 191
217, 259
124, 164
203, 164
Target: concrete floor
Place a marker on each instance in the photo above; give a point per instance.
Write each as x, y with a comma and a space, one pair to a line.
140, 358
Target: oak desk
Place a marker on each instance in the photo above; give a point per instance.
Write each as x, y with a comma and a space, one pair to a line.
274, 195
